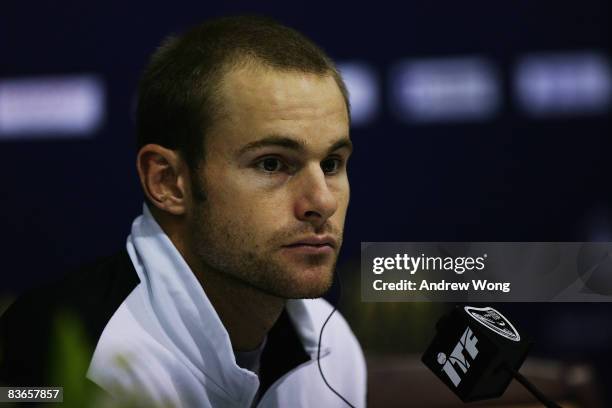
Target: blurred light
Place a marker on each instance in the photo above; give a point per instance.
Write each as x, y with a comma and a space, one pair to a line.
449, 89
563, 84
364, 91
50, 107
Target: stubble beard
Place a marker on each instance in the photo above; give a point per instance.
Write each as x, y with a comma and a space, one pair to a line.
226, 249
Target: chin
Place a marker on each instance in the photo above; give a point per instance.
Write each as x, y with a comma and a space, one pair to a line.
308, 283
309, 292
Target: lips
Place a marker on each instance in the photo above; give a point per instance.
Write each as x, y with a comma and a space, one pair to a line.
301, 249
322, 245
315, 241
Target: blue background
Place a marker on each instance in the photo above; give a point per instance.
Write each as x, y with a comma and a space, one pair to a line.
508, 178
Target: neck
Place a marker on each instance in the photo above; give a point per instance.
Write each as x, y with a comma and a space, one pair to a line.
247, 313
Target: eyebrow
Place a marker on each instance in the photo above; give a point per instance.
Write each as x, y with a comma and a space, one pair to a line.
291, 143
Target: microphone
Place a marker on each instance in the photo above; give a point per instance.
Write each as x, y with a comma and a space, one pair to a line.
477, 352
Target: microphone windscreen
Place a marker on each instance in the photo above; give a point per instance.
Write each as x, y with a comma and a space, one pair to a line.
471, 347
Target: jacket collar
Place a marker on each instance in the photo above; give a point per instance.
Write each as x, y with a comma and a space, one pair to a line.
193, 328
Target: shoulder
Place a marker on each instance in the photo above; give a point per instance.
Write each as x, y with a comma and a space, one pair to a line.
319, 310
341, 356
100, 281
87, 297
337, 334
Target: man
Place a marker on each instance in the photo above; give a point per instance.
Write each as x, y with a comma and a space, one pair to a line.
243, 134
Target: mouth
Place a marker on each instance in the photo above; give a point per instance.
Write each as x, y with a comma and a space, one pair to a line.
313, 245
306, 249
316, 240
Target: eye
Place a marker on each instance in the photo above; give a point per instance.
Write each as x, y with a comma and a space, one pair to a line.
331, 166
271, 165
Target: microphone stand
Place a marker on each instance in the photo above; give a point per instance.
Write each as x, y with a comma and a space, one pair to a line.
531, 388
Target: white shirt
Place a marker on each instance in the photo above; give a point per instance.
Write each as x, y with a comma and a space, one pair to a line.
166, 345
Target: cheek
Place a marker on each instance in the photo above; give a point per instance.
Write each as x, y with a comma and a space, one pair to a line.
342, 191
247, 207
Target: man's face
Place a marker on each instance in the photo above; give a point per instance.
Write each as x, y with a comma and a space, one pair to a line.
275, 182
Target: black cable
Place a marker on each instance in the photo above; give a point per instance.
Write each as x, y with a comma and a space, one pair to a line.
531, 388
319, 347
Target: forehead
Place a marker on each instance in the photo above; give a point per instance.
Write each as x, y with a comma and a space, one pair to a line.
258, 101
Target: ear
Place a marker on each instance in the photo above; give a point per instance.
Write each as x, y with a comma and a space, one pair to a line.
164, 178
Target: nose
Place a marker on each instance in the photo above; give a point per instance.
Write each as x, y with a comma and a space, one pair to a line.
315, 201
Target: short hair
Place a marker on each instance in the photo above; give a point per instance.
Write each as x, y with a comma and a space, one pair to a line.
179, 97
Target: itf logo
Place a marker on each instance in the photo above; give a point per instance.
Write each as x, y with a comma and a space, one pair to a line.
467, 342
